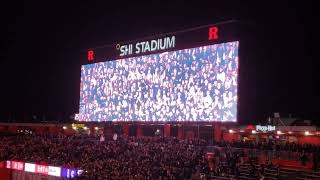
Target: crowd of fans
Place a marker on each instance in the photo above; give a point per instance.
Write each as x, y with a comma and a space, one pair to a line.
271, 145
140, 158
125, 158
302, 152
227, 162
191, 84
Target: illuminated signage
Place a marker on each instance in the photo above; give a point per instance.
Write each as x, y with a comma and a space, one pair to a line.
147, 46
8, 165
54, 171
213, 33
227, 31
17, 165
265, 128
70, 173
28, 167
90, 55
42, 169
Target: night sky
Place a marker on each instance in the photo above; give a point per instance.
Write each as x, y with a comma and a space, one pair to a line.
44, 42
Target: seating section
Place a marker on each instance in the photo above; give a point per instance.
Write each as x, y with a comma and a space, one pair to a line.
146, 158
269, 174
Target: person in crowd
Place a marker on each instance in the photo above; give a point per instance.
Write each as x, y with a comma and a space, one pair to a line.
303, 158
315, 160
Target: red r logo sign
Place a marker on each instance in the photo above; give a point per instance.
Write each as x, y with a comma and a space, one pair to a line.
213, 33
90, 55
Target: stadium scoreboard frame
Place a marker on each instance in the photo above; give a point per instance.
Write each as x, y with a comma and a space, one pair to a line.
188, 38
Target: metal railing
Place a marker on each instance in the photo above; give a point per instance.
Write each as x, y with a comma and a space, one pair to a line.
264, 154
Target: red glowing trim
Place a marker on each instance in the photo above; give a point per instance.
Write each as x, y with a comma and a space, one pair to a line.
250, 127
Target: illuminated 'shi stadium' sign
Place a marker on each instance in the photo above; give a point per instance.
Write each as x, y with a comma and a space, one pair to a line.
147, 46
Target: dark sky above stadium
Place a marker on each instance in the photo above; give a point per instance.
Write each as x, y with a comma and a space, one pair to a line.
44, 43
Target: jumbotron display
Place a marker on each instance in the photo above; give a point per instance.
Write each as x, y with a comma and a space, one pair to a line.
196, 84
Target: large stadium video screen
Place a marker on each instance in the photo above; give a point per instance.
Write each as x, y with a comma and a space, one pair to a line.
196, 84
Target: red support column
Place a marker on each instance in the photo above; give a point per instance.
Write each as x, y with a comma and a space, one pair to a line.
139, 131
125, 129
180, 132
167, 130
92, 131
217, 132
5, 173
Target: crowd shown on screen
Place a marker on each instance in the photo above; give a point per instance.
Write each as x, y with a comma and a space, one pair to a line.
198, 84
